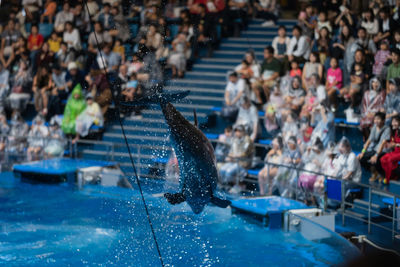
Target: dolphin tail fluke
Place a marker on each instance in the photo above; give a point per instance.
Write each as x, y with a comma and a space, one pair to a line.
174, 199
157, 98
222, 203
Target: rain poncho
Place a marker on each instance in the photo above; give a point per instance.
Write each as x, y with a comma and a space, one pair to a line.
91, 115
73, 108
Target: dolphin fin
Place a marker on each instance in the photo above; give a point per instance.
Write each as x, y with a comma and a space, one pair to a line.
157, 98
222, 203
174, 199
196, 122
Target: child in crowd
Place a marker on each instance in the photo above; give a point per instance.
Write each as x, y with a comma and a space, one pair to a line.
356, 81
120, 50
224, 144
334, 81
381, 57
37, 138
54, 42
295, 69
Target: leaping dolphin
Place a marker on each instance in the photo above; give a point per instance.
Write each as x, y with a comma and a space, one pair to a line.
195, 154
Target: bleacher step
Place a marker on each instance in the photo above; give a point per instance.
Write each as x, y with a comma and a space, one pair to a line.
365, 203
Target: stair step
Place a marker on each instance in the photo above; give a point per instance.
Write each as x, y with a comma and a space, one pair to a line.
244, 45
194, 89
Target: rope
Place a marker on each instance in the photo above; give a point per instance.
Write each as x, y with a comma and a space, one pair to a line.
128, 147
364, 239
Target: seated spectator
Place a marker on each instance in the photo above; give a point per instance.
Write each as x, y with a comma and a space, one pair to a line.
386, 25
311, 67
322, 22
345, 13
54, 42
4, 85
93, 8
106, 18
49, 11
234, 92
154, 41
72, 37
63, 16
281, 43
323, 121
249, 69
42, 85
334, 82
307, 21
373, 101
394, 68
322, 45
205, 31
392, 101
395, 44
108, 59
289, 127
44, 57
20, 88
268, 173
91, 115
119, 49
121, 27
270, 69
74, 76
295, 69
35, 42
236, 10
37, 138
342, 42
299, 46
295, 96
353, 92
267, 10
370, 23
315, 95
271, 121
100, 88
312, 160
389, 161
381, 57
55, 146
76, 105
248, 118
4, 131
18, 133
379, 134
64, 56
348, 166
224, 144
177, 58
9, 39
329, 168
238, 160
98, 38
81, 19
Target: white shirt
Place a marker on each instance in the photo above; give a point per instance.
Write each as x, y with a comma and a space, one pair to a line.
63, 17
247, 116
303, 47
349, 163
73, 37
234, 89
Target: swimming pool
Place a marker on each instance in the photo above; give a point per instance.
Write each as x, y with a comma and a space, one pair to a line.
44, 225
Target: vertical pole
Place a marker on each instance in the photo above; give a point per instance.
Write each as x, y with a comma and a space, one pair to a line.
343, 200
394, 217
139, 160
369, 209
325, 195
297, 184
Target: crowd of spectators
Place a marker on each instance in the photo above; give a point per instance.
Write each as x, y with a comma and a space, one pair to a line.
339, 60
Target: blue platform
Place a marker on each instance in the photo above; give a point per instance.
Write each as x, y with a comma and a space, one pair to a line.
55, 170
271, 207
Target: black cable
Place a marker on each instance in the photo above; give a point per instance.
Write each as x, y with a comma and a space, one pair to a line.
127, 145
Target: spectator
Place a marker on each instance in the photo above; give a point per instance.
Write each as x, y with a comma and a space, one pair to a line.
35, 41
353, 92
299, 46
334, 83
4, 131
49, 12
21, 88
72, 37
289, 127
91, 115
248, 118
76, 105
271, 121
132, 90
93, 8
234, 92
281, 43
311, 67
370, 23
17, 136
323, 121
349, 167
396, 40
254, 68
342, 42
345, 13
295, 96
57, 142
37, 138
96, 39
42, 85
381, 57
268, 173
386, 24
378, 135
4, 85
329, 168
373, 101
307, 21
316, 95
100, 88
81, 19
390, 161
295, 69
119, 49
106, 18
9, 39
267, 10
108, 60
322, 23
121, 27
54, 42
392, 101
224, 144
32, 9
44, 57
238, 160
62, 17
177, 58
394, 68
323, 44
236, 11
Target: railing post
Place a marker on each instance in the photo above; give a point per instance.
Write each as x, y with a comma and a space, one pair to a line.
70, 148
112, 151
394, 217
325, 195
297, 186
139, 160
369, 209
343, 200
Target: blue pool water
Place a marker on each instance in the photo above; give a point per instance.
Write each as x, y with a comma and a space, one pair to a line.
56, 225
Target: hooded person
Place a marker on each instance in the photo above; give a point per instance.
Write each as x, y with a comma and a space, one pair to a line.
373, 101
392, 101
91, 115
76, 105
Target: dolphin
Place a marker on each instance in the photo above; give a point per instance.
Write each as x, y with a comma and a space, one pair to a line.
195, 154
